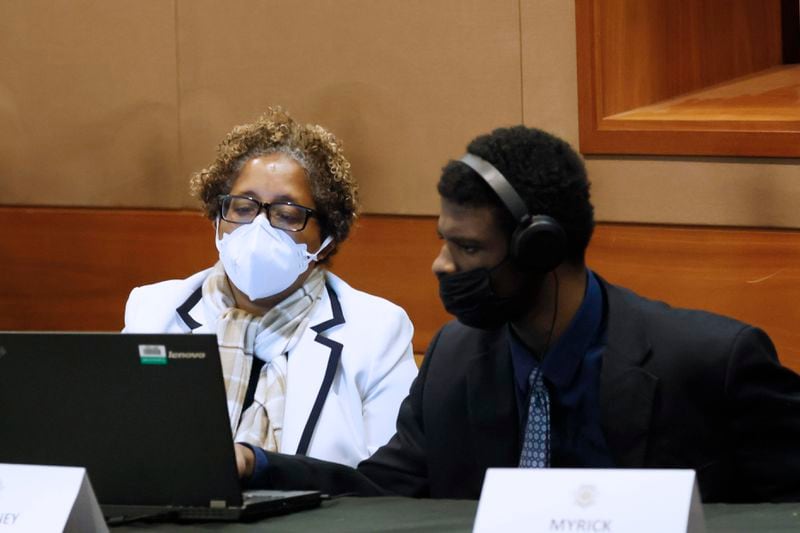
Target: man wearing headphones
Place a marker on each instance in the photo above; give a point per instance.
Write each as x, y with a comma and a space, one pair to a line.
548, 365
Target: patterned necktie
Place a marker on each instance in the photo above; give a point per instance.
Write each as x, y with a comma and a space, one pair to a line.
536, 442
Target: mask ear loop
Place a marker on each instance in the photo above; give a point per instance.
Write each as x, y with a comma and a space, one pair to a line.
217, 240
325, 243
553, 321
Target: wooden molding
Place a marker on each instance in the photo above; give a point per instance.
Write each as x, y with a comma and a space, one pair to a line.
687, 77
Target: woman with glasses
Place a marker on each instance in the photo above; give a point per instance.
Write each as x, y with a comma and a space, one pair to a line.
311, 365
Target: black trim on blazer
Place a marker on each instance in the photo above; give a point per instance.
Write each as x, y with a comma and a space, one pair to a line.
330, 371
255, 369
338, 316
252, 383
185, 307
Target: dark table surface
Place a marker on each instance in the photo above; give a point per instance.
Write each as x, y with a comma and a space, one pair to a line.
369, 515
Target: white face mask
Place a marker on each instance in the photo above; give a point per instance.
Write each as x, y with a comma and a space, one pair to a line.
261, 260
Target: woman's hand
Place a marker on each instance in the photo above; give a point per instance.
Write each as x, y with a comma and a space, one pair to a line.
245, 460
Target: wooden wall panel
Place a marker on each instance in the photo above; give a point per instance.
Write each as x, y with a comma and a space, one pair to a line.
70, 269
651, 50
405, 85
751, 275
635, 53
88, 103
723, 191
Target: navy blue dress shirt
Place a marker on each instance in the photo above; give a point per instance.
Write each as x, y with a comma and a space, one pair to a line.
571, 370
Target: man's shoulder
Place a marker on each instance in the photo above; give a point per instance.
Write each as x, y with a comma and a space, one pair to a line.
675, 342
687, 330
624, 298
455, 337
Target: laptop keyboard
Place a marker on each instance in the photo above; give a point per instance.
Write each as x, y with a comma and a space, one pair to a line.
268, 495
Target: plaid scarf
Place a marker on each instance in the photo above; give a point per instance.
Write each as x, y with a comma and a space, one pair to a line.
270, 337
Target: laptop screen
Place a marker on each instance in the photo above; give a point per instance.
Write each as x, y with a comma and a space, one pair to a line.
145, 414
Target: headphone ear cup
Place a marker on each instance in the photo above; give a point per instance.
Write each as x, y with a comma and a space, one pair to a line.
540, 245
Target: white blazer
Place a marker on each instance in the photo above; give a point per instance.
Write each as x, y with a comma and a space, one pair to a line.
347, 375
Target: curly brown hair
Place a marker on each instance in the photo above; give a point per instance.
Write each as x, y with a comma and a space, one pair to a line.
317, 150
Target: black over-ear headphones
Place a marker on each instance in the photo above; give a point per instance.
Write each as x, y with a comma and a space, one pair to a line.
538, 241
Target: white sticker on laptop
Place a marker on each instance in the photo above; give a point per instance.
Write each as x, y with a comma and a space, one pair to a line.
153, 354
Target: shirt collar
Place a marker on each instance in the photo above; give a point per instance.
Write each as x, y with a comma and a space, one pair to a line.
563, 359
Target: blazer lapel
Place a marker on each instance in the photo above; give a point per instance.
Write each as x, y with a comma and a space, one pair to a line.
312, 366
192, 314
491, 404
627, 390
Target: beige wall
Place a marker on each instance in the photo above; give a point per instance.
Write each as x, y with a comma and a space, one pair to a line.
116, 102
404, 84
87, 103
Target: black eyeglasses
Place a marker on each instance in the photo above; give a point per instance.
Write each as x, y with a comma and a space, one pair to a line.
282, 215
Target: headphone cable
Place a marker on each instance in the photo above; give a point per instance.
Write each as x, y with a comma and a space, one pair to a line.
553, 321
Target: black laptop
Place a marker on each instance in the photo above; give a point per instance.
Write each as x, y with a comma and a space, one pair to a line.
146, 416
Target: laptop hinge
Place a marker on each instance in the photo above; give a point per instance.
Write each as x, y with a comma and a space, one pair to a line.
217, 504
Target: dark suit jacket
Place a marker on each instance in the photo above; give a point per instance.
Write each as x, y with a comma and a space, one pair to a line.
679, 388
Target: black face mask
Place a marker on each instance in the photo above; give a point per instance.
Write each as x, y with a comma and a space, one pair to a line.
470, 297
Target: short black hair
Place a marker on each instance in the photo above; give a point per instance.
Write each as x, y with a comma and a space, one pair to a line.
543, 169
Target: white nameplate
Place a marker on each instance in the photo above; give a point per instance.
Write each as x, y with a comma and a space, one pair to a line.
550, 500
47, 498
